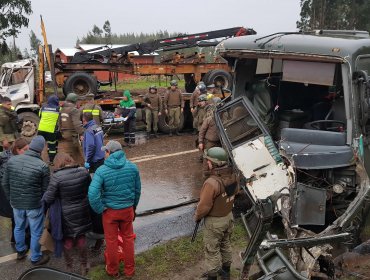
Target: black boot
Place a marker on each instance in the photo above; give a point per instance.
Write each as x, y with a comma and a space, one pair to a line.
225, 272
170, 133
177, 132
211, 277
156, 135
147, 135
195, 131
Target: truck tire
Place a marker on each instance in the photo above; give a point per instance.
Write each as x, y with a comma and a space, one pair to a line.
80, 83
29, 123
222, 76
190, 84
163, 123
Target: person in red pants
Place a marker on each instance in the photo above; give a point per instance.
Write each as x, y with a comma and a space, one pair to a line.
115, 191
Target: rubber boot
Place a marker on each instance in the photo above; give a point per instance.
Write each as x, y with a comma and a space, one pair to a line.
147, 135
156, 135
225, 272
211, 277
170, 133
177, 132
195, 131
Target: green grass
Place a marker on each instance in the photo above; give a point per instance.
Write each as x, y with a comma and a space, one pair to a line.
141, 83
172, 257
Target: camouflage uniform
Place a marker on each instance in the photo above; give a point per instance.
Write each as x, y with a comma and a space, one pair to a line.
8, 125
215, 206
71, 128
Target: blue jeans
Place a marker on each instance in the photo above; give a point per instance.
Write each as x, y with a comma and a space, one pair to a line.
35, 218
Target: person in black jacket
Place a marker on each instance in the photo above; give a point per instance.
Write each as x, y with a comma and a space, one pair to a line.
70, 184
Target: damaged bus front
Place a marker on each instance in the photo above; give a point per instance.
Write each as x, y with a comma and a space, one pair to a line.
297, 129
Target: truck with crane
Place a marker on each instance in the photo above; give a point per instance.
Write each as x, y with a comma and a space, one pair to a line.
17, 79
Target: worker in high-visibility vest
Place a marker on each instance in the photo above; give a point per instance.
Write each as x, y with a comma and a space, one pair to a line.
48, 126
94, 109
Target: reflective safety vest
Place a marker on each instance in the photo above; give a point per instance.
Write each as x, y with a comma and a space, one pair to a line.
49, 119
94, 110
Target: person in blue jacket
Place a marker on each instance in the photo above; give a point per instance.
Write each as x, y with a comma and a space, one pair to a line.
92, 143
115, 191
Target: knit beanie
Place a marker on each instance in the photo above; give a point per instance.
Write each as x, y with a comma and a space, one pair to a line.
37, 144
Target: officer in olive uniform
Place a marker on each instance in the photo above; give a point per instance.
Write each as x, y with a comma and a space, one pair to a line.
8, 123
215, 206
48, 126
94, 109
153, 109
71, 128
174, 106
194, 102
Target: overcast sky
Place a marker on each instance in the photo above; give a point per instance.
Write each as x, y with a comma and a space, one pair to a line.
67, 20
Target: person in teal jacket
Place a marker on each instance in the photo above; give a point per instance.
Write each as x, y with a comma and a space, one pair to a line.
115, 191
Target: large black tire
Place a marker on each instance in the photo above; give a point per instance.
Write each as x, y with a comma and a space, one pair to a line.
218, 75
190, 84
163, 123
29, 124
80, 83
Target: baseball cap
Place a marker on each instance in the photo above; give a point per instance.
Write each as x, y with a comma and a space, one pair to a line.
112, 146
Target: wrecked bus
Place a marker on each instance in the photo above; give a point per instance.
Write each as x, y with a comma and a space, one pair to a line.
297, 129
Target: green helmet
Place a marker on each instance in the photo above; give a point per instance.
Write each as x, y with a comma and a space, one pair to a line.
173, 83
202, 97
216, 155
72, 97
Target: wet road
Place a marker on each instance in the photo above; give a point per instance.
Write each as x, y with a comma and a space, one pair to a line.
170, 175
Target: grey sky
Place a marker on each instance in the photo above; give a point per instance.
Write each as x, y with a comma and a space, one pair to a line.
67, 20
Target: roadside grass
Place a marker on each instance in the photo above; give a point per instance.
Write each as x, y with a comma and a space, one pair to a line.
172, 257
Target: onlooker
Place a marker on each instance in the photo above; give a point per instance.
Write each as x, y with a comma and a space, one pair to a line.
174, 107
49, 116
93, 108
128, 112
215, 205
92, 143
8, 123
71, 127
26, 178
115, 192
70, 184
19, 146
94, 158
153, 110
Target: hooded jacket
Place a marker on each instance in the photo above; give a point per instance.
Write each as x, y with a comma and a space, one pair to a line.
115, 185
92, 143
26, 178
128, 107
70, 185
49, 115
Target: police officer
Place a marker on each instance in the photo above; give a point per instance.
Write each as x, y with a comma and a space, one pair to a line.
174, 106
153, 109
71, 127
208, 135
48, 126
94, 109
8, 123
215, 206
194, 99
